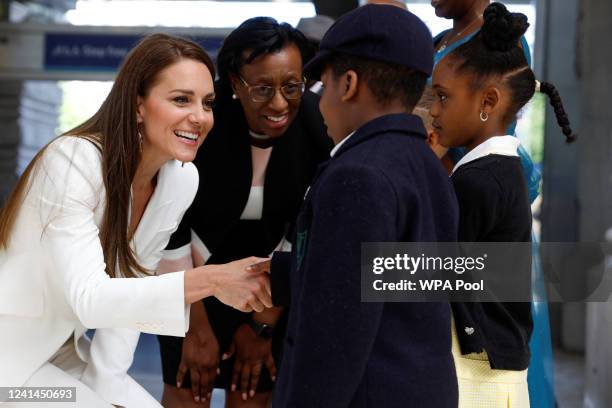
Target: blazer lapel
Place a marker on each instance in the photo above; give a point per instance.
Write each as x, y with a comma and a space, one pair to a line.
155, 218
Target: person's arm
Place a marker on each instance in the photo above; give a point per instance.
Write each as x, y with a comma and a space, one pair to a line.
72, 191
252, 348
480, 202
199, 355
335, 331
252, 352
200, 351
231, 284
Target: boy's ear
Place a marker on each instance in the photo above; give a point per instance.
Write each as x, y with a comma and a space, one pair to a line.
491, 99
349, 87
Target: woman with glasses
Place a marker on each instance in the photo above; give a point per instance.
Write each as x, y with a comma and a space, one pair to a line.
255, 167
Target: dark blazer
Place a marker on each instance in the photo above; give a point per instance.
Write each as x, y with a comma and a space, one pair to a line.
383, 184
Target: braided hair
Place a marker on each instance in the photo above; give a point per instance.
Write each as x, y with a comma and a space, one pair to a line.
495, 51
557, 105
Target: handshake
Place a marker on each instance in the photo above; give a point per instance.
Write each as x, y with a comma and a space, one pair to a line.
242, 284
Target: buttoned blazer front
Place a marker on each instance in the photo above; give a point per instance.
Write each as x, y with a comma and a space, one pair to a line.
384, 184
53, 282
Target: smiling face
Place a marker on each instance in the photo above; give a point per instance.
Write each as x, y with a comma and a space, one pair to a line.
456, 107
175, 115
277, 69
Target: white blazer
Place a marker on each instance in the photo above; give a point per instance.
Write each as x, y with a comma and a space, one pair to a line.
52, 276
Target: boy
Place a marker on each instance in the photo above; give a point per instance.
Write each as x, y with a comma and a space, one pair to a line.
382, 183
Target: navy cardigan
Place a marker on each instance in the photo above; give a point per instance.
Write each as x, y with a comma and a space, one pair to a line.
494, 207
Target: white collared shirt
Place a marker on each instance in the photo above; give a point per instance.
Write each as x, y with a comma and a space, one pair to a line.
503, 145
337, 147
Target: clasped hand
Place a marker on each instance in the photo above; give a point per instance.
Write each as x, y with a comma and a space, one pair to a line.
244, 284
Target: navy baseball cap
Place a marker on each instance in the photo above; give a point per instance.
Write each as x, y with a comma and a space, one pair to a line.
379, 32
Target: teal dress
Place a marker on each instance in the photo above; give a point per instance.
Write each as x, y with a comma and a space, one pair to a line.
540, 377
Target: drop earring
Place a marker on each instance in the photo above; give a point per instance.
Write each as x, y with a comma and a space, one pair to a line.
140, 141
484, 116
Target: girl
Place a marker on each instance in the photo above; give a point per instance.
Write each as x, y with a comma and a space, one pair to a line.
480, 88
466, 16
467, 22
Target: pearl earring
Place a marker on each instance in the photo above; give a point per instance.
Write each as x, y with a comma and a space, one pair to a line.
234, 96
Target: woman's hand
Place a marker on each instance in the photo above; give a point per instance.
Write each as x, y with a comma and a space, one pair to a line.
231, 283
242, 289
200, 358
252, 352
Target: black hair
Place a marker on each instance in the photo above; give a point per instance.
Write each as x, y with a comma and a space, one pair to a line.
555, 101
495, 52
260, 35
387, 81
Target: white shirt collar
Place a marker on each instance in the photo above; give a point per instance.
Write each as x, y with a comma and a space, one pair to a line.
503, 145
258, 135
335, 149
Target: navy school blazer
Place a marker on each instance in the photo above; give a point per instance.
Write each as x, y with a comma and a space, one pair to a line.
383, 184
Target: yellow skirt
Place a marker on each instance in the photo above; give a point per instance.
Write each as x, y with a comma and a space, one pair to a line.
480, 386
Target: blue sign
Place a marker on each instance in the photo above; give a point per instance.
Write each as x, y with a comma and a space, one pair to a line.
100, 52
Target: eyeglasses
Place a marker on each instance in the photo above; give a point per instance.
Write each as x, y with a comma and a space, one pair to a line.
264, 93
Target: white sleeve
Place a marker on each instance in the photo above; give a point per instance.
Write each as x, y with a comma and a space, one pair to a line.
111, 355
70, 193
